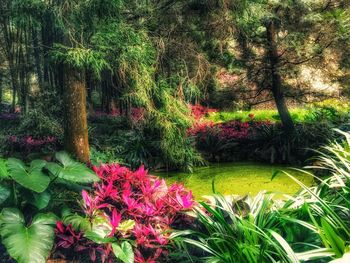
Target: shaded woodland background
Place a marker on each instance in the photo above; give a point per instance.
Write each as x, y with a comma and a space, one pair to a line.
62, 61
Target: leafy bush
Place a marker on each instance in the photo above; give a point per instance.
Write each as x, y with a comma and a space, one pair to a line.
39, 125
143, 146
27, 144
333, 111
259, 141
125, 205
27, 198
239, 231
108, 155
35, 132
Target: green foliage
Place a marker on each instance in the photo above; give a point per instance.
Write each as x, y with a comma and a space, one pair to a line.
107, 155
79, 58
240, 231
5, 193
131, 54
31, 243
40, 186
3, 169
333, 111
34, 186
124, 252
38, 124
71, 170
31, 177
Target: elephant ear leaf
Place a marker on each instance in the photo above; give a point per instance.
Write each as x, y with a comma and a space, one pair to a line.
31, 243
3, 169
71, 170
5, 193
31, 177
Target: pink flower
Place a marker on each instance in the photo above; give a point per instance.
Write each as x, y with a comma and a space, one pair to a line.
135, 195
114, 221
91, 204
186, 201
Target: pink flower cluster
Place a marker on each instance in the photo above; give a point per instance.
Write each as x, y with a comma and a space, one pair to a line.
199, 111
229, 130
69, 239
234, 130
153, 206
28, 142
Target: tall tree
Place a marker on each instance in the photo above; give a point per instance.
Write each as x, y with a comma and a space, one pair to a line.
283, 37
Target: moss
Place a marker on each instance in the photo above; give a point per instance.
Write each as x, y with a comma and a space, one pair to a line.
238, 178
298, 115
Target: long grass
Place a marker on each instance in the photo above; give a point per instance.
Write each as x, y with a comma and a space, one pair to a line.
264, 230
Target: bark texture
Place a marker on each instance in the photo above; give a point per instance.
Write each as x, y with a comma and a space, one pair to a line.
76, 129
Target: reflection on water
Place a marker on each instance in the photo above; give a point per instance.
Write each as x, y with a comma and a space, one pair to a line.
238, 178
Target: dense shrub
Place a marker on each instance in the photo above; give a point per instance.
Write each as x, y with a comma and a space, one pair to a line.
142, 145
127, 205
259, 140
38, 124
30, 196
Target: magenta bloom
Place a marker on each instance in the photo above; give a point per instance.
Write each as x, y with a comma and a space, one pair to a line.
146, 200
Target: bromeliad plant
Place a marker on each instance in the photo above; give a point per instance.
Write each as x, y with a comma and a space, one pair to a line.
127, 208
26, 221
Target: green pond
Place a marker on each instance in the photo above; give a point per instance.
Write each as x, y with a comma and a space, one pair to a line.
239, 179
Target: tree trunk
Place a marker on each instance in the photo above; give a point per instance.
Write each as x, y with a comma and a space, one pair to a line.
76, 129
276, 85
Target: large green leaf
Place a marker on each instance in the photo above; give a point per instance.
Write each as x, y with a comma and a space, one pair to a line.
41, 200
71, 170
124, 252
3, 169
97, 238
31, 243
78, 222
5, 192
31, 177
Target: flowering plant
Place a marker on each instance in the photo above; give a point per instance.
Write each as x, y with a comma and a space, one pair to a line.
199, 111
134, 206
229, 130
30, 144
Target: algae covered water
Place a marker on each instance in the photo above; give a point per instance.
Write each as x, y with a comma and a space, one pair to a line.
238, 178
